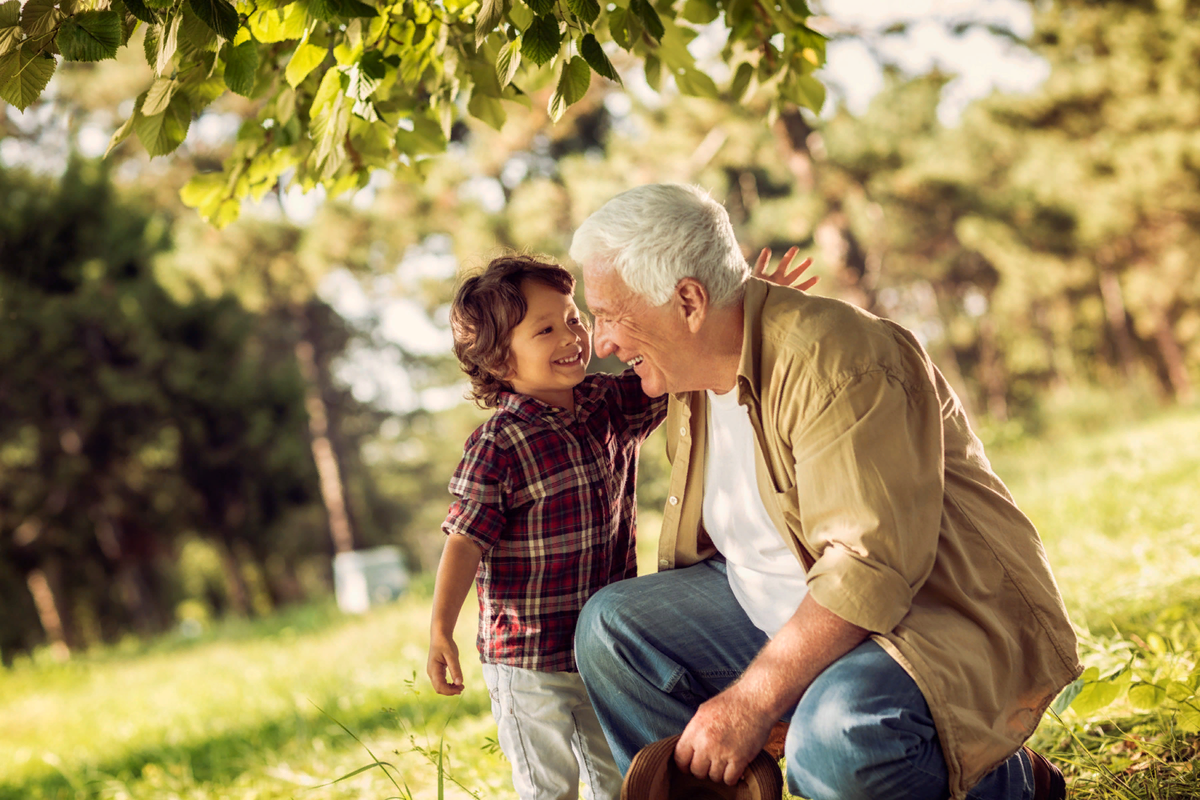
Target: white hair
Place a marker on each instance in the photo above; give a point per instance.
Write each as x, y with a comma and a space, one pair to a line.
659, 234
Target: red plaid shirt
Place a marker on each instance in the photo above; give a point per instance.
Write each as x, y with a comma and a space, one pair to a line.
549, 496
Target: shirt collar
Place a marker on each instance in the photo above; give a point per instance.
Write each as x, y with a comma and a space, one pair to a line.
753, 301
588, 398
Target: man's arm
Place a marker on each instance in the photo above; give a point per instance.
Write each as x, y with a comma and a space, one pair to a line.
728, 731
456, 572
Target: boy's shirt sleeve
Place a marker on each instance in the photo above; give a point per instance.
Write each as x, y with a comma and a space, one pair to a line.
482, 489
642, 413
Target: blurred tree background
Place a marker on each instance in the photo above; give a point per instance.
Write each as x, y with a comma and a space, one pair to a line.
193, 420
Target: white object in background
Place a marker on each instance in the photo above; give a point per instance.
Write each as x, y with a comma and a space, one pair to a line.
365, 578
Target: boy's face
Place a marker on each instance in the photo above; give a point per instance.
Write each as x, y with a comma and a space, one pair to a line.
550, 347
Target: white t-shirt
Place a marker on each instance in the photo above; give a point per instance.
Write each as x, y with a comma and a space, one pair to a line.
765, 577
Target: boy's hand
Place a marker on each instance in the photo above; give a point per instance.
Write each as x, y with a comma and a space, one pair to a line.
781, 275
443, 658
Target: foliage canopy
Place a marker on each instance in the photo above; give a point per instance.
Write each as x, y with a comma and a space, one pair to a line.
343, 87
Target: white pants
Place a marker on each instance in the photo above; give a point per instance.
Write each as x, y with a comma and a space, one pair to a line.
550, 734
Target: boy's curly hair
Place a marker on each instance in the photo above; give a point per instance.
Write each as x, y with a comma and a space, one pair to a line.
484, 312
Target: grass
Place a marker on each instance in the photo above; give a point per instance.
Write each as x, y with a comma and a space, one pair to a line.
283, 708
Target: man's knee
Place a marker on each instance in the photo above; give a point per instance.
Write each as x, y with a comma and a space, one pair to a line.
594, 631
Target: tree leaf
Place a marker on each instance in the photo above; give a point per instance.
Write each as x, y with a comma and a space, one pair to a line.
140, 10
586, 10
162, 133
158, 97
423, 138
10, 26
649, 18
596, 58
804, 90
304, 60
90, 36
489, 16
741, 81
39, 18
541, 40
695, 83
218, 15
122, 133
195, 35
328, 130
273, 25
353, 8
618, 29
168, 42
508, 61
487, 108
701, 12
540, 7
653, 71
24, 74
241, 66
572, 85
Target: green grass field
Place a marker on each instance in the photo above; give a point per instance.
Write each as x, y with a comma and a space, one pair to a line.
282, 708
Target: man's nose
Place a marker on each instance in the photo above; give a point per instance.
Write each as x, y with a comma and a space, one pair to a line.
602, 340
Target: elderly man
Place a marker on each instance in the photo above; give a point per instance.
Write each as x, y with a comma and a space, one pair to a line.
836, 551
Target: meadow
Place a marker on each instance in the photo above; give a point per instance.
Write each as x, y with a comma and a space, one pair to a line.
312, 704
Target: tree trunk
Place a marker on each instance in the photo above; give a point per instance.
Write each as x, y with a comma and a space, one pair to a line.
991, 371
48, 612
328, 468
1172, 354
235, 582
1118, 321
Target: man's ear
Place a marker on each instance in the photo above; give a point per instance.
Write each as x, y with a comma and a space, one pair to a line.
692, 299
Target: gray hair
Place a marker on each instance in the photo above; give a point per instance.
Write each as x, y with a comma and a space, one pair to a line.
659, 234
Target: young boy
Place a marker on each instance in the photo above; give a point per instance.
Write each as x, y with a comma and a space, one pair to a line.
544, 516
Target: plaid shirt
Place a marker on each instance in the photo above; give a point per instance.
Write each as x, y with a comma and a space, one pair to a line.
549, 497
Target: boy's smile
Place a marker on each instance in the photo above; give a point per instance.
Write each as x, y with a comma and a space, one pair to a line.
550, 347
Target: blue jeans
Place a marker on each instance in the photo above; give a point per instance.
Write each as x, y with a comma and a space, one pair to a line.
652, 649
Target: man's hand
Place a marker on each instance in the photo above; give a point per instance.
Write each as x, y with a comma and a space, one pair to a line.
443, 658
781, 275
723, 737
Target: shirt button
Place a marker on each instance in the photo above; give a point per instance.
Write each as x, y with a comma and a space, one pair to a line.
663, 563
673, 500
683, 431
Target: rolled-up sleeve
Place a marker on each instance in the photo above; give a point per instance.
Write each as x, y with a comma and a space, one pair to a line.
869, 493
482, 489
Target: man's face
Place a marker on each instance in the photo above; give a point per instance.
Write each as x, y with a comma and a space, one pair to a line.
651, 339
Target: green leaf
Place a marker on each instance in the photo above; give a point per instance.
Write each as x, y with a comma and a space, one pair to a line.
701, 12
653, 70
741, 81
486, 108
353, 8
618, 29
167, 42
1095, 696
1188, 720
158, 97
649, 18
24, 74
541, 40
10, 26
804, 90
596, 58
573, 84
1146, 696
162, 133
195, 35
1067, 696
304, 60
279, 25
695, 83
586, 10
328, 130
424, 138
489, 16
90, 36
122, 133
241, 65
141, 11
39, 18
540, 7
366, 75
508, 61
218, 15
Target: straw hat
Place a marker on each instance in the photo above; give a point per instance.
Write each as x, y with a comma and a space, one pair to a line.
654, 776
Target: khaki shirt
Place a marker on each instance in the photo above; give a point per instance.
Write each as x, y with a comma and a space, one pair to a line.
876, 482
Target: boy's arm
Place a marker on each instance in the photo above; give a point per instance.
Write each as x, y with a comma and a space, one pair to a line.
455, 574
